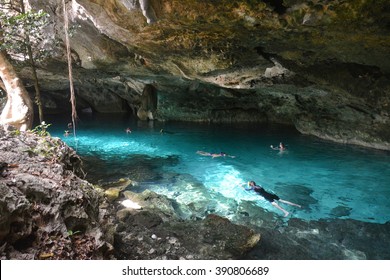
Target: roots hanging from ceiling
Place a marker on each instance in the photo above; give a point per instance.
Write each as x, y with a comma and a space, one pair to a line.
69, 58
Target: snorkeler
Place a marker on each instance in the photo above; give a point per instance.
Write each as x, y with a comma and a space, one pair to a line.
270, 197
214, 155
281, 147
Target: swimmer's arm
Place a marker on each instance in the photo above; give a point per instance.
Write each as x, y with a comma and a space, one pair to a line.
243, 185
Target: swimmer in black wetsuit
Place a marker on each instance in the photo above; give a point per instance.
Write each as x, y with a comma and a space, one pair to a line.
272, 198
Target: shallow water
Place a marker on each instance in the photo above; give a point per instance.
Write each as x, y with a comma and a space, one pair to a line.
329, 180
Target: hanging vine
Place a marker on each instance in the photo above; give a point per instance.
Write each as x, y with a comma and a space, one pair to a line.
69, 58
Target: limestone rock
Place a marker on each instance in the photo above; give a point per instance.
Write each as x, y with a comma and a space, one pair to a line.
145, 235
158, 232
252, 61
45, 208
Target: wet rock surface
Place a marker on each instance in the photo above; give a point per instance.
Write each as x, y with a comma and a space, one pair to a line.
156, 230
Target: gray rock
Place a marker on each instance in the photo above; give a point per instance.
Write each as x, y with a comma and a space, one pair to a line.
309, 64
45, 208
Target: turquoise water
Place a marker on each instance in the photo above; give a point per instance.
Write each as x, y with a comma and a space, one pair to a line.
329, 180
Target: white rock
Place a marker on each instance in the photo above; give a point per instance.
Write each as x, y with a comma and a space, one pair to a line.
131, 204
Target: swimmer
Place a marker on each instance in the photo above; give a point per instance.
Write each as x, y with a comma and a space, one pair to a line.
270, 197
128, 130
214, 155
163, 131
66, 133
281, 147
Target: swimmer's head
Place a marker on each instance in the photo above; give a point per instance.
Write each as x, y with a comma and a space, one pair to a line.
251, 183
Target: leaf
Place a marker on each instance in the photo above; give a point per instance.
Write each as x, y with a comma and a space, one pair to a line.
46, 255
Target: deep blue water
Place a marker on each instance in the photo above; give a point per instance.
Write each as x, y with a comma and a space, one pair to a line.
329, 180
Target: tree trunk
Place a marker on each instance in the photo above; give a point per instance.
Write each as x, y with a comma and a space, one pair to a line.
18, 111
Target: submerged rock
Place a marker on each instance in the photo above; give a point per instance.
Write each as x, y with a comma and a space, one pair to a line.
331, 239
112, 190
341, 211
145, 235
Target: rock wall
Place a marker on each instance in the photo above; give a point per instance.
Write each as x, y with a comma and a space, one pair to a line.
321, 66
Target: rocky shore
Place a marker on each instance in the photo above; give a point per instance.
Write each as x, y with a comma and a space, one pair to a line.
49, 212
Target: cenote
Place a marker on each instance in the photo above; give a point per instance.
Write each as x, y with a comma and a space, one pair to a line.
329, 180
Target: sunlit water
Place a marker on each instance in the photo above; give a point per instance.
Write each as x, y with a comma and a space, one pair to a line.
329, 180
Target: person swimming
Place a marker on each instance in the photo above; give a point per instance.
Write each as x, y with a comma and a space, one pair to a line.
281, 147
128, 130
163, 131
214, 155
270, 197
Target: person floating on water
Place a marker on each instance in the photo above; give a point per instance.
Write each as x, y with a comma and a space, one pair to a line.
281, 147
128, 130
214, 155
163, 131
272, 198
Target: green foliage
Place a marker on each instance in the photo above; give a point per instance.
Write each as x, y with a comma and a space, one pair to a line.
21, 29
15, 132
41, 130
47, 147
71, 232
